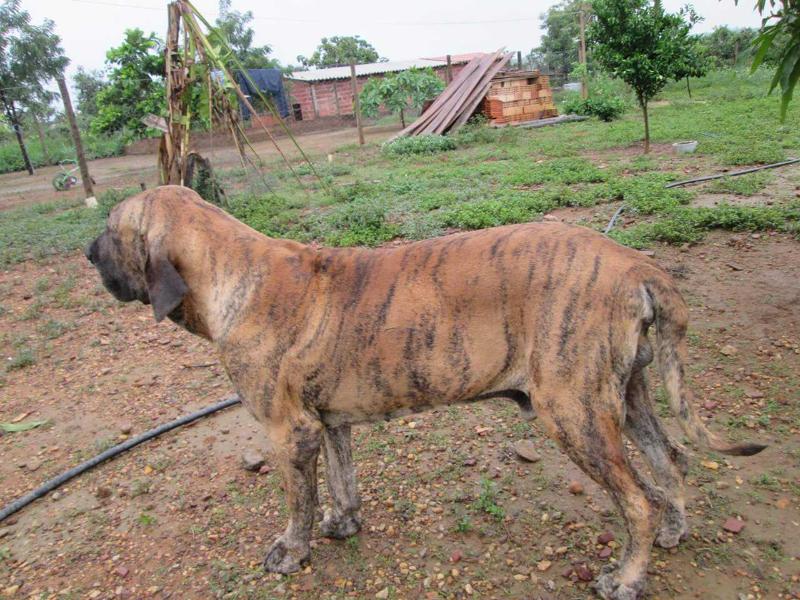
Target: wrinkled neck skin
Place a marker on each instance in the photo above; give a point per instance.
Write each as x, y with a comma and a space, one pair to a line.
237, 278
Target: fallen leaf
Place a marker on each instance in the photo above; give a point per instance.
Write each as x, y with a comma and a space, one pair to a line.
15, 427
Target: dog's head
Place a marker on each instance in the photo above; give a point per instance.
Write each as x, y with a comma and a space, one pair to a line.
132, 257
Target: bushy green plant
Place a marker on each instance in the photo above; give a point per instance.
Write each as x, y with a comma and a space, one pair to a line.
108, 199
420, 144
605, 108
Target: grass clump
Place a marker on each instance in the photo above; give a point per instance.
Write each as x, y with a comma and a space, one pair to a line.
419, 144
744, 185
566, 170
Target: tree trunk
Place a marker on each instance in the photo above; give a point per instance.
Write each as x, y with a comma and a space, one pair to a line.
40, 133
646, 128
688, 89
11, 113
402, 118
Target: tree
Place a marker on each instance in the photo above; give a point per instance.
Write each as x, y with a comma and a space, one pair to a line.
340, 51
30, 56
559, 48
135, 84
234, 27
780, 35
88, 84
640, 43
728, 47
399, 91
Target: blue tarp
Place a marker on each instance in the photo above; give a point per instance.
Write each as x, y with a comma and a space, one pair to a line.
267, 81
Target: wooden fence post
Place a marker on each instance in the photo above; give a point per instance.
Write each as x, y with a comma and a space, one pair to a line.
76, 138
356, 104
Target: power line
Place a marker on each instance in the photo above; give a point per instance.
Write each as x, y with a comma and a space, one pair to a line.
327, 21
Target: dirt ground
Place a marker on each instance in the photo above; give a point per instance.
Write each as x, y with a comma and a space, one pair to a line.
450, 510
122, 171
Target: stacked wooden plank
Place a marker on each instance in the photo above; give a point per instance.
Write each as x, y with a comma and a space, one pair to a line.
459, 100
517, 96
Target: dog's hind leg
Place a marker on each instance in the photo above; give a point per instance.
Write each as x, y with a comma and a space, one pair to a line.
667, 460
589, 429
343, 519
296, 437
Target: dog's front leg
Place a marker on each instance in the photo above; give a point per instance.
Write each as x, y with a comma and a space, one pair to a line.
296, 439
343, 519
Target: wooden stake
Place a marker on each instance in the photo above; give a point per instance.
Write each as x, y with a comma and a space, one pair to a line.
582, 54
356, 104
519, 60
448, 70
76, 138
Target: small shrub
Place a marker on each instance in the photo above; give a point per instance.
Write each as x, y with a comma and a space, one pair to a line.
605, 108
745, 185
25, 357
420, 144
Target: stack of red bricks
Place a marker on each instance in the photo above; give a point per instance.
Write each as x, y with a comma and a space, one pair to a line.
516, 96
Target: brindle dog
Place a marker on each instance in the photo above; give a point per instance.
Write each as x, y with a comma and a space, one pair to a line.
315, 339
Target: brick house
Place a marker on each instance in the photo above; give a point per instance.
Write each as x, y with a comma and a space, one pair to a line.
328, 93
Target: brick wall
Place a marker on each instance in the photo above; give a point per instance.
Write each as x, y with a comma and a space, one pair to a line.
334, 97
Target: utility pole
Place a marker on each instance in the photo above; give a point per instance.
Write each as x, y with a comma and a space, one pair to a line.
76, 137
582, 53
356, 104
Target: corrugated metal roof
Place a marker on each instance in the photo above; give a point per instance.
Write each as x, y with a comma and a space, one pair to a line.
368, 69
458, 58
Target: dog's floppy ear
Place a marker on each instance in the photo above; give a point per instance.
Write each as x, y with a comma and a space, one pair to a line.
165, 286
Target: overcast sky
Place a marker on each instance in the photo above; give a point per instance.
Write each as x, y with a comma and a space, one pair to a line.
398, 30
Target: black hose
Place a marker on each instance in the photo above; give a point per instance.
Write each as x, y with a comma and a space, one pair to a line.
55, 482
784, 163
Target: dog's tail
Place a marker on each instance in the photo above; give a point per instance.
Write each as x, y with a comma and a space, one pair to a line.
671, 319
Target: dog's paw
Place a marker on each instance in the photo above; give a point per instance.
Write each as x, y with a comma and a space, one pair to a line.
285, 558
672, 532
339, 527
609, 588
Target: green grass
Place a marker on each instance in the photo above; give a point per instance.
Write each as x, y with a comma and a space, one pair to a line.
498, 176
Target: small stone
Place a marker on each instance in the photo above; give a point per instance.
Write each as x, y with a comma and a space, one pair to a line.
103, 492
153, 590
575, 488
711, 465
56, 496
733, 525
650, 253
551, 218
606, 552
783, 503
544, 565
122, 571
728, 350
383, 594
264, 469
710, 405
734, 266
94, 594
527, 451
584, 573
33, 464
754, 394
468, 589
605, 537
456, 556
252, 460
470, 462
126, 428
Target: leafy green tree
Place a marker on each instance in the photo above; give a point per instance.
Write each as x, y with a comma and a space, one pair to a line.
640, 43
780, 36
727, 46
30, 56
340, 51
88, 85
558, 51
135, 84
400, 91
234, 26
